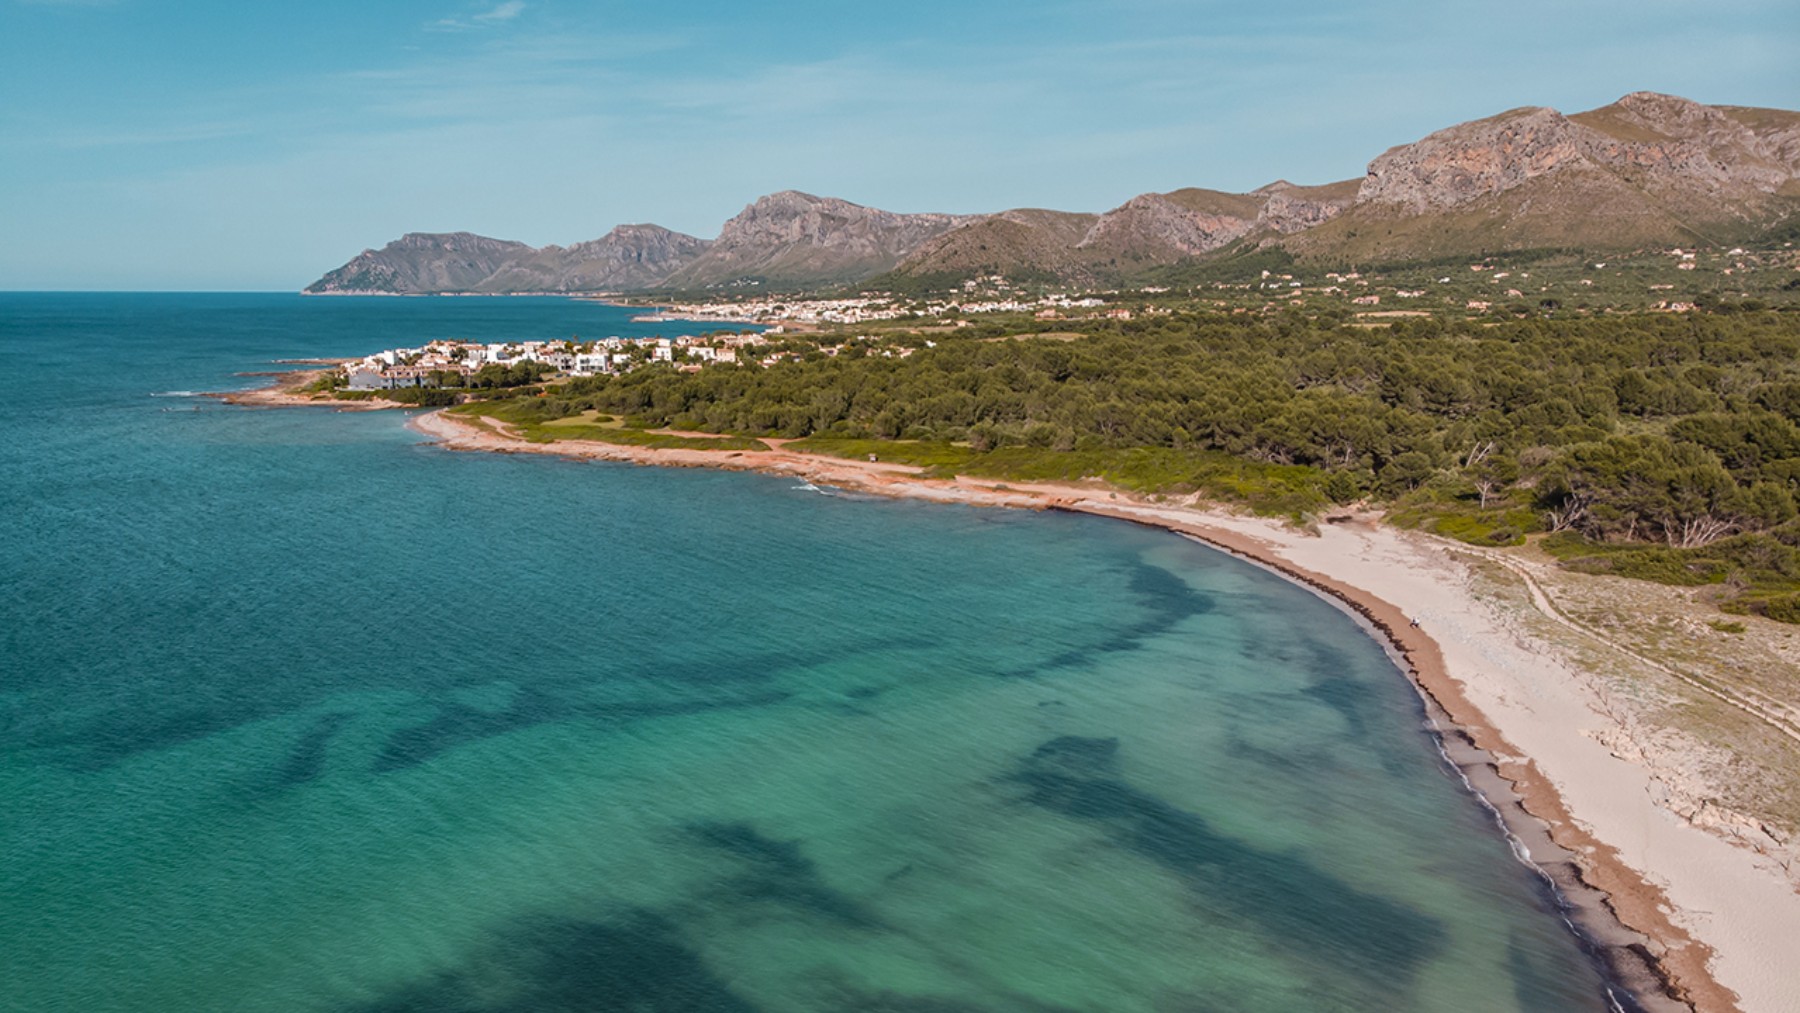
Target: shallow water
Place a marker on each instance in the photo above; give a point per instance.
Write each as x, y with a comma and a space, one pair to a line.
298, 713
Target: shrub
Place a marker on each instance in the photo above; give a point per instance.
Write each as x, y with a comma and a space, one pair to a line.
1783, 608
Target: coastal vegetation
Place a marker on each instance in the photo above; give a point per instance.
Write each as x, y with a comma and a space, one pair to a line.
544, 421
1661, 446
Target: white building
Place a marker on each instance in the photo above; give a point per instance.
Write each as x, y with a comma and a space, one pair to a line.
589, 363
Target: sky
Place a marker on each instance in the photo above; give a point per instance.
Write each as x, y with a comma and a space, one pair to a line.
215, 145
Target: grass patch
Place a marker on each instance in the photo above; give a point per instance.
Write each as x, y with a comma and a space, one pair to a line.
1658, 563
422, 397
1450, 508
655, 441
1275, 490
586, 418
1479, 529
1503, 525
1783, 608
918, 453
528, 420
1757, 574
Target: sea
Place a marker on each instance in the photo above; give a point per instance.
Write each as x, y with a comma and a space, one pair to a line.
300, 712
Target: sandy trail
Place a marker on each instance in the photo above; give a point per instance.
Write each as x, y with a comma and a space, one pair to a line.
1773, 716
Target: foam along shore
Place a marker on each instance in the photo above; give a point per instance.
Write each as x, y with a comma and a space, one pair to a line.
1681, 917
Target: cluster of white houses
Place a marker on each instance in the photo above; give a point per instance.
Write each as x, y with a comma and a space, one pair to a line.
864, 309
452, 363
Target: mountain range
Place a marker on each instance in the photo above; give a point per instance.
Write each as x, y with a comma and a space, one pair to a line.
1647, 170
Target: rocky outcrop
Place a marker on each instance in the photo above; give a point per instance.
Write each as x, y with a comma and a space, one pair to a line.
1024, 243
1777, 133
788, 238
1675, 141
1455, 166
794, 238
1669, 144
1146, 232
629, 258
1647, 170
1288, 208
423, 262
1158, 227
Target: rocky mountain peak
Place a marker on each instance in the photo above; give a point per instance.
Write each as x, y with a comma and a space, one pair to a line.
423, 261
1674, 148
1456, 165
791, 216
629, 257
1674, 141
452, 242
1159, 224
1646, 169
640, 244
1671, 115
791, 236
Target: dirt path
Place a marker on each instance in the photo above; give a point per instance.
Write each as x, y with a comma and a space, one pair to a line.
1541, 600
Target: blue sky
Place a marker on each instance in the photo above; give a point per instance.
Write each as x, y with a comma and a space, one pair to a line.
155, 144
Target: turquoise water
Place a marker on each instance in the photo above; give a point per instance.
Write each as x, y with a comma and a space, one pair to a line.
298, 713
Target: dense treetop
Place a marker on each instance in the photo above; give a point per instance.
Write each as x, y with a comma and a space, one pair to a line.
1677, 430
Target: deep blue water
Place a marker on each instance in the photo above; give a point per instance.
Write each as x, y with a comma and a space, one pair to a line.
300, 713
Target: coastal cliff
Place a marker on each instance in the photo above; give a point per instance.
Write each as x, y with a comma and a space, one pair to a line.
629, 257
421, 262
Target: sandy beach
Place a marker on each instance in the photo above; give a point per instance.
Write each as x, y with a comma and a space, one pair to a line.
1685, 917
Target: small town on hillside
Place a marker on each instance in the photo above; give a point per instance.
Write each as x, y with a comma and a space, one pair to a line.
987, 294
1665, 280
457, 363
1486, 288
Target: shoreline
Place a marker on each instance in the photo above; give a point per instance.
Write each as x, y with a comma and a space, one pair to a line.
288, 390
1467, 743
1633, 918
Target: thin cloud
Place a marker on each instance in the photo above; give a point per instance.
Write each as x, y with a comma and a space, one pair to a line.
498, 15
505, 12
